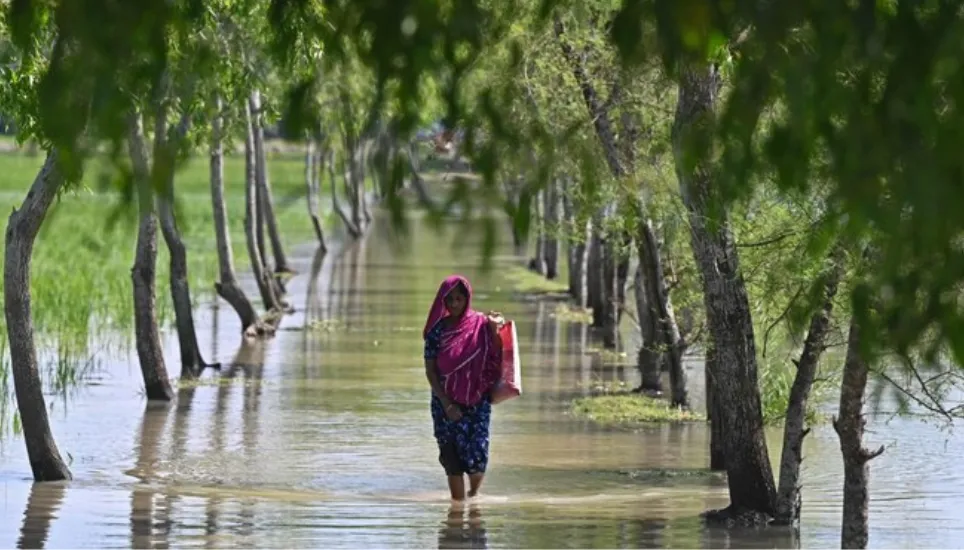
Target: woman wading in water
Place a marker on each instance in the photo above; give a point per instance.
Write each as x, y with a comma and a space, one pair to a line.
463, 356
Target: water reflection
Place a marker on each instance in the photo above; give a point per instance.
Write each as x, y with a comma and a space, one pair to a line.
323, 434
43, 504
144, 519
459, 531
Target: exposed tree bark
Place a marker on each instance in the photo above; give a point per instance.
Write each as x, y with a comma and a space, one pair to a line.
648, 358
550, 211
312, 170
749, 474
850, 428
191, 361
713, 414
788, 491
227, 287
668, 337
265, 200
157, 385
268, 295
22, 229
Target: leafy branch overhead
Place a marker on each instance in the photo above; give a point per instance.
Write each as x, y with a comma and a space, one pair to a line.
859, 99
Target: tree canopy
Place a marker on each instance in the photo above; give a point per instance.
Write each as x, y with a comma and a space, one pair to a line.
858, 102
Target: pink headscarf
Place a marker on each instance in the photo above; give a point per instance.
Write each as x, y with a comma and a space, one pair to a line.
468, 360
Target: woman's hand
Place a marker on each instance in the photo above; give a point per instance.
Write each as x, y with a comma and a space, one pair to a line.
496, 320
452, 411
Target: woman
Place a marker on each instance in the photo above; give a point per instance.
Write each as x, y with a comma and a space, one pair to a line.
463, 356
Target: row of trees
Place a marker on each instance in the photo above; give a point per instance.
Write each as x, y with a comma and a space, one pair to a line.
209, 96
691, 134
642, 167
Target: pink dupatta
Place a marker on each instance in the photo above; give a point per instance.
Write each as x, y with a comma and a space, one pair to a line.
469, 361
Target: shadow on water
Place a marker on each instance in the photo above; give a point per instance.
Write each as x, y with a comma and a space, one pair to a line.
323, 433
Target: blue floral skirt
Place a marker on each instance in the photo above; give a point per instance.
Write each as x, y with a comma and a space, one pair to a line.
464, 445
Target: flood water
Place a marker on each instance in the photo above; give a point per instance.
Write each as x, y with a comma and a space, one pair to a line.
322, 438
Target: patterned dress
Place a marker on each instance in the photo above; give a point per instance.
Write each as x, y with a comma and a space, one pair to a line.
463, 445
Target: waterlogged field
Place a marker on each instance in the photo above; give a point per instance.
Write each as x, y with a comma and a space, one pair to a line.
81, 265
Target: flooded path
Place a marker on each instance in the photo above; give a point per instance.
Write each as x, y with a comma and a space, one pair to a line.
322, 438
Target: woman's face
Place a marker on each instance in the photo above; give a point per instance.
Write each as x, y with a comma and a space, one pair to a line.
456, 301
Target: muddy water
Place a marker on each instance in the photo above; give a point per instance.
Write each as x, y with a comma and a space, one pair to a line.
322, 438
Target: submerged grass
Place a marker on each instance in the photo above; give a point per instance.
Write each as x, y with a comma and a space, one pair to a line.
522, 280
613, 404
80, 280
627, 409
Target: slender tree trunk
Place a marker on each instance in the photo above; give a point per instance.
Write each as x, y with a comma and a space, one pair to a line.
312, 183
191, 361
265, 200
594, 276
749, 474
537, 263
227, 287
551, 244
649, 358
519, 243
352, 229
668, 337
22, 229
587, 298
788, 491
157, 385
363, 181
251, 208
850, 428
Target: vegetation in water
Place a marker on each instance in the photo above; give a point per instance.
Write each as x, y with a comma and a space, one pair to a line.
629, 409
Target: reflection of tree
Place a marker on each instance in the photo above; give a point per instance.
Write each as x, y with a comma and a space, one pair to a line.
42, 506
458, 533
143, 517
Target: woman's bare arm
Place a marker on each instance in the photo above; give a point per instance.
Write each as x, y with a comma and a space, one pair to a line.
431, 372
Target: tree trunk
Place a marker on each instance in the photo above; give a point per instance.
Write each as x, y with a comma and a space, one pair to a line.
587, 296
713, 415
363, 182
251, 208
227, 287
537, 263
550, 245
191, 361
352, 229
788, 491
157, 385
351, 177
648, 359
850, 428
265, 200
668, 337
512, 187
22, 228
312, 170
728, 313
594, 276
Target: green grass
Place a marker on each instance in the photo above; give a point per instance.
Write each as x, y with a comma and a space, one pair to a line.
629, 409
520, 279
80, 279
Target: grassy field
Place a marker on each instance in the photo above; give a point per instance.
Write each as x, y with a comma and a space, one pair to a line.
81, 267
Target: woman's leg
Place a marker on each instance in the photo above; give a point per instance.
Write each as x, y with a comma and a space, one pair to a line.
478, 443
475, 482
457, 487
